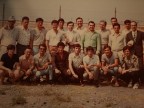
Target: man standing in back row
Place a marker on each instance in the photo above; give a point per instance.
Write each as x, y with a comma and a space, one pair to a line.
91, 38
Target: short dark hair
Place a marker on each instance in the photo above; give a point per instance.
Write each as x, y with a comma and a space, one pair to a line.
127, 21
76, 45
43, 45
39, 19
60, 44
107, 46
103, 21
70, 22
127, 48
116, 24
114, 18
61, 19
25, 18
89, 48
78, 18
91, 22
54, 21
10, 47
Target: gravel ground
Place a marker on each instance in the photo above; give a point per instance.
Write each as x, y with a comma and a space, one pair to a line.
69, 96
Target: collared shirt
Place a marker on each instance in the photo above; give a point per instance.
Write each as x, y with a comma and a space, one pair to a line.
117, 41
73, 37
24, 35
39, 36
25, 63
80, 31
104, 36
8, 36
77, 60
110, 60
91, 39
40, 61
131, 63
91, 61
54, 38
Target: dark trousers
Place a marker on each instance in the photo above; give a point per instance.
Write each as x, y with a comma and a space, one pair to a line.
64, 75
130, 76
20, 49
79, 72
141, 71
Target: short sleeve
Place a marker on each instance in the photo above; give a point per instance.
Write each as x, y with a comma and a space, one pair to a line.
70, 57
48, 35
84, 60
103, 58
1, 33
115, 56
98, 60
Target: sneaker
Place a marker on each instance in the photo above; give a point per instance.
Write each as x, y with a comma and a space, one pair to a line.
136, 86
130, 85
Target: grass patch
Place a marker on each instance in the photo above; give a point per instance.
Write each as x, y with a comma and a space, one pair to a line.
18, 100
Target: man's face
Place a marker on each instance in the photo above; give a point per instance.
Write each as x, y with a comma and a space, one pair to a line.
90, 53
11, 52
127, 53
39, 24
113, 21
27, 52
91, 26
60, 49
79, 22
42, 50
116, 29
25, 23
107, 51
102, 25
77, 50
11, 23
128, 26
133, 26
70, 26
54, 26
61, 24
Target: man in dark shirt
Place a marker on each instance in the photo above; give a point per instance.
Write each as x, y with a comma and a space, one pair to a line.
61, 63
9, 65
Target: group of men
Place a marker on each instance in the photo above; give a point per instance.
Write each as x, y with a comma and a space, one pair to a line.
80, 53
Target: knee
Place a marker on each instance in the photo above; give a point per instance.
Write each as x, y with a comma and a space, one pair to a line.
115, 69
38, 73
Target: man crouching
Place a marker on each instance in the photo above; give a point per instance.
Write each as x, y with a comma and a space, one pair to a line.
9, 65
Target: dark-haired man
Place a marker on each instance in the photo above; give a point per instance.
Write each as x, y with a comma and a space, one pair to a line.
9, 65
61, 63
117, 41
127, 28
91, 38
53, 37
110, 64
25, 36
39, 35
92, 64
72, 36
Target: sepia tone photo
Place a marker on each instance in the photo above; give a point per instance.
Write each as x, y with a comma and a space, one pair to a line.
71, 53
